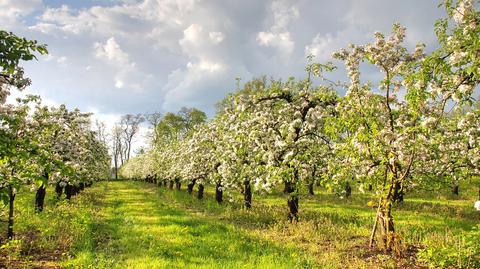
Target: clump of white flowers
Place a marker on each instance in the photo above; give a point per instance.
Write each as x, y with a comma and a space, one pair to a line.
477, 205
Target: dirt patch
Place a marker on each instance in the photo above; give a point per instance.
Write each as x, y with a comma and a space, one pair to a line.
28, 250
407, 259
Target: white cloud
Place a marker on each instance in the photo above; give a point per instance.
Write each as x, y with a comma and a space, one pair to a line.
61, 60
13, 10
281, 41
45, 28
111, 51
278, 36
216, 37
119, 84
283, 13
126, 75
192, 34
149, 55
183, 85
321, 47
199, 44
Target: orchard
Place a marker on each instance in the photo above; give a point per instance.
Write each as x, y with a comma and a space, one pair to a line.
275, 151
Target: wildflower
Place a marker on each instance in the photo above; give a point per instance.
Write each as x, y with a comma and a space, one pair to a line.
477, 205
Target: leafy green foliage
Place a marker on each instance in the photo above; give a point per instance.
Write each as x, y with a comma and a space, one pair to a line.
14, 49
462, 252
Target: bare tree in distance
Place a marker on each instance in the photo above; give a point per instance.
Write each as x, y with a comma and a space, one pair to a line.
117, 147
130, 125
101, 131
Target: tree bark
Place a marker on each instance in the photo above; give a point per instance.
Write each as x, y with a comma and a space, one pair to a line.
190, 186
11, 197
75, 190
292, 201
247, 194
398, 193
384, 215
348, 190
219, 192
40, 198
455, 189
310, 188
200, 191
58, 190
384, 212
387, 229
170, 184
116, 168
40, 195
68, 191
178, 184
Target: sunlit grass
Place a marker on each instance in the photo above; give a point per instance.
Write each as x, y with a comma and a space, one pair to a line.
138, 225
335, 231
148, 232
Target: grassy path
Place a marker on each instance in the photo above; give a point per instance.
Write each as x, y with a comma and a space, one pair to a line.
135, 228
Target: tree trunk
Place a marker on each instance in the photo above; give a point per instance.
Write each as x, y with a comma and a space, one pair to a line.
74, 190
247, 194
170, 184
219, 192
292, 201
11, 197
310, 188
285, 188
190, 186
40, 198
200, 191
398, 193
384, 220
348, 190
116, 168
384, 217
387, 229
68, 191
370, 187
455, 189
178, 184
58, 190
40, 195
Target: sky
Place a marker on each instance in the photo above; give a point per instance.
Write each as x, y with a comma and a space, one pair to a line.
114, 57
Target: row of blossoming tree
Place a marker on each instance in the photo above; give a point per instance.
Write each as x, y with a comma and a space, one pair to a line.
41, 145
417, 124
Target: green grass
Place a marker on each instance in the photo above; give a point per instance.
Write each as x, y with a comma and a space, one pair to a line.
128, 224
45, 239
136, 228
